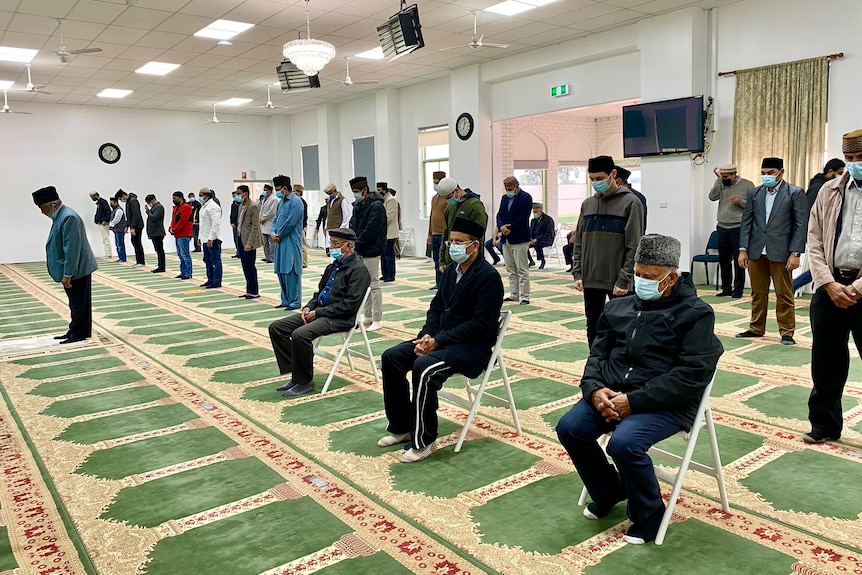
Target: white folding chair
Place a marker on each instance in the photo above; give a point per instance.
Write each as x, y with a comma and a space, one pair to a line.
405, 237
701, 420
475, 394
560, 240
346, 336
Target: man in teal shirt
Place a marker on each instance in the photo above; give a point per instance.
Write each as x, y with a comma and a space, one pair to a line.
70, 261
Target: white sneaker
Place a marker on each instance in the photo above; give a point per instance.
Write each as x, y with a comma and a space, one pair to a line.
375, 325
138, 266
393, 439
633, 540
414, 455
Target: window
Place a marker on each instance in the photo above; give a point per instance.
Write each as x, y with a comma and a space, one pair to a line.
363, 159
534, 182
434, 155
310, 167
572, 190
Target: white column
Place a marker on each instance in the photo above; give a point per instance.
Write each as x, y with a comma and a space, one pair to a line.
388, 139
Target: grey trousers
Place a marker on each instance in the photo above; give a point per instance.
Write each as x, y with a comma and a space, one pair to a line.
518, 267
293, 344
267, 247
374, 308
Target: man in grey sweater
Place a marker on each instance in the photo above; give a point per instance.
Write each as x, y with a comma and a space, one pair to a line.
731, 193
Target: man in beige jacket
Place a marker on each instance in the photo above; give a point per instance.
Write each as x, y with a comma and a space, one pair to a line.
835, 260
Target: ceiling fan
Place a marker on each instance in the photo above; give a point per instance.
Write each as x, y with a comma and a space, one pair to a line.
269, 105
348, 81
7, 109
474, 41
66, 55
31, 87
215, 119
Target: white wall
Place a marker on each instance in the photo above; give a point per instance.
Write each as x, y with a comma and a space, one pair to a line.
161, 152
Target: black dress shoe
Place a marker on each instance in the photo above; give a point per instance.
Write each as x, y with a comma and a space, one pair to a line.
73, 339
279, 305
185, 277
212, 286
298, 390
749, 333
569, 270
249, 296
180, 277
724, 293
286, 386
542, 265
64, 336
158, 271
815, 437
208, 284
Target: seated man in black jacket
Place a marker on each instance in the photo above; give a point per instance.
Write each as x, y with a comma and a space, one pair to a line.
458, 337
542, 234
331, 309
654, 354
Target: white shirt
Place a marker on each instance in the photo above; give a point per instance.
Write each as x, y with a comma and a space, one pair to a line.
770, 201
848, 251
210, 221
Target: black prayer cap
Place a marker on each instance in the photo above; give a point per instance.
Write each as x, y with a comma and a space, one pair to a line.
383, 185
600, 164
343, 233
150, 198
469, 227
622, 173
358, 183
45, 195
770, 163
281, 182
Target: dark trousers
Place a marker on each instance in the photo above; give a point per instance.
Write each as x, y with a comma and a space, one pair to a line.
634, 476
293, 344
120, 244
196, 228
540, 252
594, 305
212, 261
137, 243
567, 253
831, 327
436, 242
249, 270
159, 247
81, 306
387, 262
492, 251
237, 244
417, 414
728, 260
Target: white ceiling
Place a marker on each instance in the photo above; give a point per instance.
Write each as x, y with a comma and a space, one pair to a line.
162, 30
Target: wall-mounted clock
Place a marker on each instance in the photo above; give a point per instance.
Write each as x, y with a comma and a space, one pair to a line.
109, 153
464, 126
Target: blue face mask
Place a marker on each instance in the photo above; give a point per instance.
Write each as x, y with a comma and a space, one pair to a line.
510, 194
333, 196
452, 201
535, 216
435, 187
601, 186
358, 197
769, 181
336, 253
648, 289
855, 169
458, 253
279, 195
237, 199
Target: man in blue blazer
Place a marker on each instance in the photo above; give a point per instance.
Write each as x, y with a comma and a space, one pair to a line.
513, 223
771, 240
70, 261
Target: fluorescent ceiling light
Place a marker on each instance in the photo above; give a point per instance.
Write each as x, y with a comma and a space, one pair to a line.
509, 8
113, 93
536, 3
24, 55
6, 84
223, 29
375, 54
157, 68
235, 101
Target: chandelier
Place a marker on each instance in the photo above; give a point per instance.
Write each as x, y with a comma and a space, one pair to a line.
309, 55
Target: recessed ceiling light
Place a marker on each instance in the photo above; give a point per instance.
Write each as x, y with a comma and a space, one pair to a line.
223, 29
113, 93
157, 68
235, 101
375, 54
509, 8
9, 54
536, 3
6, 84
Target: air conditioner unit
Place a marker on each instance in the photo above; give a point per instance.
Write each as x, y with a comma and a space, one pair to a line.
402, 33
293, 79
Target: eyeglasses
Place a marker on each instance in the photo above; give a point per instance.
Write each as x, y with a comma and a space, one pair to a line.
337, 244
458, 243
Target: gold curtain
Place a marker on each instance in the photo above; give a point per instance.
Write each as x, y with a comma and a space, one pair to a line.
781, 111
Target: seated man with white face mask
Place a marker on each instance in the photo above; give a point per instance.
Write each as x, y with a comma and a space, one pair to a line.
654, 354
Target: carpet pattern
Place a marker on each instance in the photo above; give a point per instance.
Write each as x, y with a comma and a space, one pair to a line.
163, 447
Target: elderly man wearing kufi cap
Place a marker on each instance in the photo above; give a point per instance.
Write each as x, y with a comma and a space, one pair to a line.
339, 210
331, 309
513, 227
835, 261
644, 388
287, 236
369, 224
268, 208
437, 223
459, 335
542, 233
70, 261
771, 241
731, 193
464, 203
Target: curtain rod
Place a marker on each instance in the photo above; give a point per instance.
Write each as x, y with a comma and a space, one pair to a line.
829, 57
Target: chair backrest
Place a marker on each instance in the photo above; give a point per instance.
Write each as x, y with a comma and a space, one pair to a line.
704, 401
360, 315
712, 244
502, 324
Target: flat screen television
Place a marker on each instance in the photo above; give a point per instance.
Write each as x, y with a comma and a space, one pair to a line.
668, 127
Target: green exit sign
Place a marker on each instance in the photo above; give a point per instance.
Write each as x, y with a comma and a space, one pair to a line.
557, 91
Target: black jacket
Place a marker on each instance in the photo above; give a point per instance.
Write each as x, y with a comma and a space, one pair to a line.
349, 287
196, 209
814, 188
133, 213
369, 223
661, 354
156, 221
467, 312
103, 211
542, 229
304, 213
234, 212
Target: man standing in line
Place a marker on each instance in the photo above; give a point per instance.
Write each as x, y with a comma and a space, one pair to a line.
605, 241
267, 213
236, 199
118, 227
369, 225
436, 224
542, 234
298, 190
181, 229
287, 235
70, 262
250, 238
390, 205
513, 221
156, 230
462, 204
195, 215
135, 220
623, 176
103, 220
731, 193
210, 218
339, 211
771, 240
835, 259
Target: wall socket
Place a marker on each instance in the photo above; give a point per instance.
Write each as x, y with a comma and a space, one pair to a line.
662, 204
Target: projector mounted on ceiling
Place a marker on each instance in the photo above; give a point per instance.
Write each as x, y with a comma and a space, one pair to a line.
292, 78
402, 33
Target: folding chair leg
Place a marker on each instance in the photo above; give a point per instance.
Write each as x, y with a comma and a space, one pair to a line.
716, 462
508, 387
603, 442
677, 483
473, 409
336, 363
370, 356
